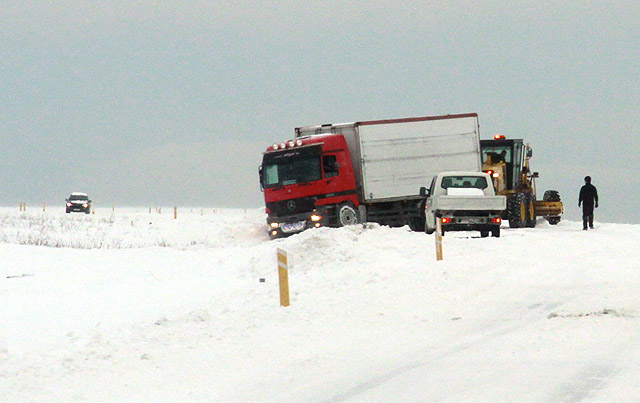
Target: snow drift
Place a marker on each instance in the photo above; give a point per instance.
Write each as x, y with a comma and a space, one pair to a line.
132, 306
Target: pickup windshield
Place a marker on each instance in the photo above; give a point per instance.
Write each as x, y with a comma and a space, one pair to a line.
289, 167
478, 182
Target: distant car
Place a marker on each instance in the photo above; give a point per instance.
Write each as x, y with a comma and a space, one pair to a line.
78, 202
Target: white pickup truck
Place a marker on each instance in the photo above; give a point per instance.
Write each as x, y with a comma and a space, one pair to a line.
463, 201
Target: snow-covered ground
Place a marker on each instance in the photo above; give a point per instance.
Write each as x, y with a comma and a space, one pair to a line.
133, 306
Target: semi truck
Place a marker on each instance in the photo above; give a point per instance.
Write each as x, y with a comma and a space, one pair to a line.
369, 171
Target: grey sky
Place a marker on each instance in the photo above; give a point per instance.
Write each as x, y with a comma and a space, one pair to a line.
161, 103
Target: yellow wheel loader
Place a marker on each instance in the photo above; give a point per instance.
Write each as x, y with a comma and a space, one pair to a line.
507, 161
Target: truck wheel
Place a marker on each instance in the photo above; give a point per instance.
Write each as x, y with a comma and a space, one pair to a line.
496, 232
516, 210
429, 231
347, 215
416, 224
552, 196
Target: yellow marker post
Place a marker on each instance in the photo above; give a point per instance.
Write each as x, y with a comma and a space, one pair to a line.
283, 274
175, 212
438, 239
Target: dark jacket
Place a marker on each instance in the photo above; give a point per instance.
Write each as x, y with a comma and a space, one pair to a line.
588, 197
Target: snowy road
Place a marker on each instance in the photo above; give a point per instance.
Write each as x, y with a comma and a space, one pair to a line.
132, 306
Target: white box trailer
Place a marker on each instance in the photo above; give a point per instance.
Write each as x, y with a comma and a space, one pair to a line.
393, 158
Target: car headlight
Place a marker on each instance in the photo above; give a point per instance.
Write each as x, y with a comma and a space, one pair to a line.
274, 225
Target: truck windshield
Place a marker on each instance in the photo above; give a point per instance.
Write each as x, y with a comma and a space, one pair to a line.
292, 166
478, 182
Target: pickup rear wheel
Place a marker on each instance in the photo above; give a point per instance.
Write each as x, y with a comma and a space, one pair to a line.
347, 215
496, 232
484, 234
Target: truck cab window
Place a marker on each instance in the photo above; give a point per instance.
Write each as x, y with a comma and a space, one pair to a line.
330, 166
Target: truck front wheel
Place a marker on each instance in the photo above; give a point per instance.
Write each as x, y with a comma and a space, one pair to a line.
347, 215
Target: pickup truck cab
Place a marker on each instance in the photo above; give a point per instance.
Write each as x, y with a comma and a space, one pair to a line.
463, 201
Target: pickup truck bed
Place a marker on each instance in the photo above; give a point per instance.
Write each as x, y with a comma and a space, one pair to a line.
464, 201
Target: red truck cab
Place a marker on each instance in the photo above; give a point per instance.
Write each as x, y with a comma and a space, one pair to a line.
306, 182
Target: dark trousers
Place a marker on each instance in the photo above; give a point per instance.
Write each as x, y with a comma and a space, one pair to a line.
587, 216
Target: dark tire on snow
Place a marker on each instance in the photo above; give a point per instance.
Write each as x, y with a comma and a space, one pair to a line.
552, 196
531, 210
484, 234
517, 210
347, 215
496, 232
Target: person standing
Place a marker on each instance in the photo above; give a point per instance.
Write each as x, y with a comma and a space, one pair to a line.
588, 199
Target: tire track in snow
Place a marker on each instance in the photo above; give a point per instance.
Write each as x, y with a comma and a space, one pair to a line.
594, 377
431, 359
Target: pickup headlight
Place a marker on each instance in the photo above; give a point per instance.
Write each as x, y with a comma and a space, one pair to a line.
274, 225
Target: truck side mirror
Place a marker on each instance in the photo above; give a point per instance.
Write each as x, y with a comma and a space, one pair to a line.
529, 152
260, 175
424, 191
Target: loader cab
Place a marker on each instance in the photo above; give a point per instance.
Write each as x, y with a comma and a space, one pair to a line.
504, 157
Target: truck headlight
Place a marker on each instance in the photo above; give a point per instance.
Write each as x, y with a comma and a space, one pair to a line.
316, 217
274, 225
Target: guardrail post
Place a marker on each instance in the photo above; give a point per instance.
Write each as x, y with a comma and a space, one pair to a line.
283, 275
438, 239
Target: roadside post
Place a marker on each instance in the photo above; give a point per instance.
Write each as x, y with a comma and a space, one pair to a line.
283, 275
438, 239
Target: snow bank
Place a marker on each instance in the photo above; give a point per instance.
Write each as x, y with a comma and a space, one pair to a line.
543, 314
129, 228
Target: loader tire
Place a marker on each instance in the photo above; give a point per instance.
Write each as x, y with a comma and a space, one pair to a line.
517, 210
552, 196
531, 210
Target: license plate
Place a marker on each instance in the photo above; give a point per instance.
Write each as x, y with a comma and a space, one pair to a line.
293, 227
470, 220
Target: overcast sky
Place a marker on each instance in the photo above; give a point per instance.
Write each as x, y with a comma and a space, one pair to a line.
156, 103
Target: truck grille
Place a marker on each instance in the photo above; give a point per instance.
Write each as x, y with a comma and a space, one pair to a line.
292, 206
